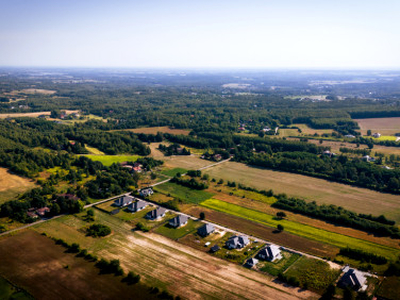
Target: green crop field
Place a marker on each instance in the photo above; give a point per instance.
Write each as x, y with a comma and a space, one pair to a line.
303, 230
8, 291
177, 233
108, 160
184, 193
312, 273
173, 172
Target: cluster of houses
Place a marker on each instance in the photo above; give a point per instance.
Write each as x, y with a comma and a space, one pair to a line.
134, 168
35, 213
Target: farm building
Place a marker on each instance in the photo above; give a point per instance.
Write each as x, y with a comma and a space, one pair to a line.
157, 213
237, 242
376, 135
137, 206
270, 253
354, 279
206, 229
123, 201
178, 221
41, 212
146, 192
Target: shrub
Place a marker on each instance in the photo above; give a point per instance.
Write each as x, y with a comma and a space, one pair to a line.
142, 227
98, 230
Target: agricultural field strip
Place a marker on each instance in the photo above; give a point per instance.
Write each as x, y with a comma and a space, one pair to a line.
296, 228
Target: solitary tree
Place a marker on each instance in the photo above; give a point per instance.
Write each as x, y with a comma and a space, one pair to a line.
202, 216
280, 227
281, 214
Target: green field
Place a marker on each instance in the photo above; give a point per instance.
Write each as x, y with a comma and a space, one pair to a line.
181, 192
108, 160
280, 266
93, 150
386, 138
8, 291
173, 172
177, 233
303, 230
312, 273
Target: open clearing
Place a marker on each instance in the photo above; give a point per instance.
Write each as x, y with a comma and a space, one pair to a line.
154, 130
12, 185
108, 160
34, 114
33, 91
41, 267
312, 189
164, 263
385, 126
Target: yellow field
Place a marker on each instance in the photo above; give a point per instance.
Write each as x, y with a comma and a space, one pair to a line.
33, 114
312, 189
12, 185
385, 126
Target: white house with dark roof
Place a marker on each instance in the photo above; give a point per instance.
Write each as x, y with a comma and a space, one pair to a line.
354, 279
206, 229
270, 253
178, 221
123, 201
156, 214
137, 206
237, 242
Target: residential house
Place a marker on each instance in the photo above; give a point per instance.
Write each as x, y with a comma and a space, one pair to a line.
137, 206
178, 221
32, 213
368, 158
354, 279
156, 214
376, 135
251, 262
270, 253
217, 157
123, 201
41, 212
137, 167
146, 192
350, 136
205, 230
237, 242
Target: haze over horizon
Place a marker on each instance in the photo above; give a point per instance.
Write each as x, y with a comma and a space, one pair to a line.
184, 34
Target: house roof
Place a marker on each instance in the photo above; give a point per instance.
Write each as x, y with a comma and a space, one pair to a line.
206, 229
214, 248
354, 278
252, 261
178, 220
124, 200
140, 204
155, 213
270, 251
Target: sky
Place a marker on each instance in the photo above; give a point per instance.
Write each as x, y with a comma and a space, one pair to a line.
334, 34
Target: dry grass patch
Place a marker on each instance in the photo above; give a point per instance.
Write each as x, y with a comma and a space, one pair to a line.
163, 129
13, 185
385, 126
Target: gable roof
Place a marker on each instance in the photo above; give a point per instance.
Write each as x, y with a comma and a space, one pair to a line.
238, 241
252, 261
354, 278
138, 205
156, 213
206, 229
270, 251
124, 200
178, 220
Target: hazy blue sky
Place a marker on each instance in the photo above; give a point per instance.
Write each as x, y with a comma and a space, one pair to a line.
201, 33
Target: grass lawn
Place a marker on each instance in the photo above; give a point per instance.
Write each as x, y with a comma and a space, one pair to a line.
173, 172
314, 274
279, 266
184, 193
108, 160
9, 291
12, 185
390, 288
177, 233
307, 231
386, 138
93, 150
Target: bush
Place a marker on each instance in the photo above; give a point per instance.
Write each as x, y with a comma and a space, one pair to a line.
98, 230
142, 227
132, 278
